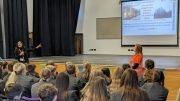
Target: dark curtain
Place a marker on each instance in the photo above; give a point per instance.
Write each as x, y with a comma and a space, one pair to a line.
1, 39
55, 24
16, 24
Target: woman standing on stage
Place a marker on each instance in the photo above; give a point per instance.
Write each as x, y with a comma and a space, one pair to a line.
137, 59
21, 52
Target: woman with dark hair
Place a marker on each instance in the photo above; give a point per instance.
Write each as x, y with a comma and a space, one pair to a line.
84, 76
137, 59
107, 75
21, 52
64, 94
129, 90
156, 89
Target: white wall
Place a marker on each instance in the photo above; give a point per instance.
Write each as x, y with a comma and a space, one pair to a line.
111, 8
30, 15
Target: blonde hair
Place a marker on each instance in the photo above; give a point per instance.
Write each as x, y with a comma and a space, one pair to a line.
93, 75
116, 78
18, 69
87, 70
97, 91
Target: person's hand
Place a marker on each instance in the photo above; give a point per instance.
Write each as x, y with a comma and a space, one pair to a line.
39, 46
22, 53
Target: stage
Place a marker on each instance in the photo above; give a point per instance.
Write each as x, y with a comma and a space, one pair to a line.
163, 62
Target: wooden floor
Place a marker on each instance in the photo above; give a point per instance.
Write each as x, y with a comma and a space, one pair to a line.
170, 65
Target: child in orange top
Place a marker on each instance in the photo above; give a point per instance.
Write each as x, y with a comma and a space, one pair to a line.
137, 59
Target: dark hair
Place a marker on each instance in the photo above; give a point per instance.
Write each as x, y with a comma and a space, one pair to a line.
158, 76
62, 86
106, 72
31, 68
22, 45
10, 67
129, 85
149, 64
47, 92
125, 66
1, 73
71, 69
12, 90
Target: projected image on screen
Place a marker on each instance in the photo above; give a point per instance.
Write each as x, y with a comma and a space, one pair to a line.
149, 22
130, 13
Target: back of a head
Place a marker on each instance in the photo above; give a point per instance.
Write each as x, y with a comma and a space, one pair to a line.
62, 77
19, 68
158, 76
94, 74
10, 67
129, 79
149, 64
50, 62
12, 90
106, 72
117, 74
130, 89
45, 74
139, 49
70, 68
47, 92
51, 68
62, 84
87, 70
125, 66
97, 90
31, 68
147, 76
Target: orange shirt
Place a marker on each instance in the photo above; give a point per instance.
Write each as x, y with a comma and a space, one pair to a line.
137, 59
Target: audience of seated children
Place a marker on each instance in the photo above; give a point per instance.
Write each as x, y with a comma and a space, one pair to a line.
18, 76
83, 77
129, 90
45, 77
116, 78
95, 85
107, 75
156, 89
47, 92
97, 91
62, 84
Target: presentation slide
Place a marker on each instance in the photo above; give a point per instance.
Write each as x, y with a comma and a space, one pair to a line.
156, 21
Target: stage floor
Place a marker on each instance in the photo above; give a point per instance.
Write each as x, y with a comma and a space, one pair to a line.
160, 61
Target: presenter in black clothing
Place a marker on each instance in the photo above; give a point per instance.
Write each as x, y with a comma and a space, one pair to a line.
21, 53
